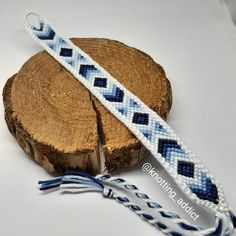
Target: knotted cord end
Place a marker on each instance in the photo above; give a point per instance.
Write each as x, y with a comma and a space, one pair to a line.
79, 180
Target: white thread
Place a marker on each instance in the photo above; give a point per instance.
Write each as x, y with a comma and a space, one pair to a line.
221, 206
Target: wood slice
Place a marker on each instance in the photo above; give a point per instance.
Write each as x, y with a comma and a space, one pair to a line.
58, 122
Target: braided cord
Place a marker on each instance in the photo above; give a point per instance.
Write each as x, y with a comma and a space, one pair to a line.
75, 181
154, 133
172, 217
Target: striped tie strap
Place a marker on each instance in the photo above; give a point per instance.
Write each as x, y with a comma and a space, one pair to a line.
156, 135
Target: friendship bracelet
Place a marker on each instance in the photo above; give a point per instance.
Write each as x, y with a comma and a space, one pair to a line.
154, 133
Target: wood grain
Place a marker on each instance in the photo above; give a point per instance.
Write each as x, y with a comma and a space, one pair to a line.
58, 122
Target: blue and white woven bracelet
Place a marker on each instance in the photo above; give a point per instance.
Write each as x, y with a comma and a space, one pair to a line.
154, 133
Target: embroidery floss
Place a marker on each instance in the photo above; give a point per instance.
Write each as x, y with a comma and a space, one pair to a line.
154, 133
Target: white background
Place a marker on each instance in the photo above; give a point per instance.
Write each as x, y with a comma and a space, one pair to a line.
195, 42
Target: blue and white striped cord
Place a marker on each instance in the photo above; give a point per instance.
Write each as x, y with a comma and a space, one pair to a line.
195, 181
76, 181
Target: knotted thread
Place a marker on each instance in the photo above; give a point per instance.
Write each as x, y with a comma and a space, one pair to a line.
83, 182
153, 132
80, 180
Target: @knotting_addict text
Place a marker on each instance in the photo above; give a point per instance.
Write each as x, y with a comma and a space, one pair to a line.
148, 168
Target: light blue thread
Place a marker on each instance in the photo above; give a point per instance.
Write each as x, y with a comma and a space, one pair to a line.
136, 117
80, 178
